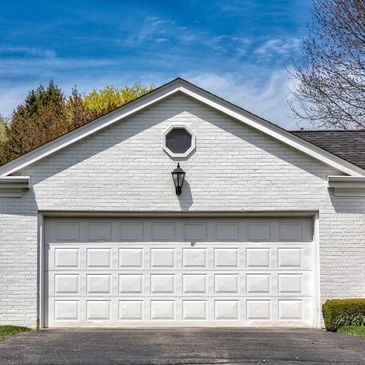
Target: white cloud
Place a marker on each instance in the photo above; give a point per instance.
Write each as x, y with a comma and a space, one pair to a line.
278, 47
267, 98
48, 66
26, 51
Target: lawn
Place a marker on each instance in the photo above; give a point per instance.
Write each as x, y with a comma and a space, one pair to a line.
6, 330
358, 331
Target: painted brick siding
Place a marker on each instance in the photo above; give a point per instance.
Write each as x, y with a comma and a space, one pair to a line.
18, 261
234, 168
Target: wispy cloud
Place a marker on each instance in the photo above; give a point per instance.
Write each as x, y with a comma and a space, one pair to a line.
266, 99
7, 50
48, 66
238, 49
278, 47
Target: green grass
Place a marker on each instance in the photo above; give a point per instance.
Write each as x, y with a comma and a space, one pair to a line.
358, 331
6, 330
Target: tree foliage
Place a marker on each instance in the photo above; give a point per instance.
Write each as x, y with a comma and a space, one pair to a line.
330, 89
2, 129
47, 114
110, 98
39, 119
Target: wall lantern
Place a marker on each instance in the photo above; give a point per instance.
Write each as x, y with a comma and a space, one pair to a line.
178, 175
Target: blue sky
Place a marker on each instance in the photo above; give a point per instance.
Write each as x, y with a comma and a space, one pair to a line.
238, 49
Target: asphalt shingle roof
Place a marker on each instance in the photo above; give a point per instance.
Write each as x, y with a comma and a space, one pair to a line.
349, 145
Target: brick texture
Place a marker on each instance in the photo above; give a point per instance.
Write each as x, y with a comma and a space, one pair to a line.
124, 168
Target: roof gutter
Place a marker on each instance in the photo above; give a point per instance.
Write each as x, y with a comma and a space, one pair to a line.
13, 186
347, 185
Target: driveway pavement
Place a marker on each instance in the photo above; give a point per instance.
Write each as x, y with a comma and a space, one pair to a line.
182, 346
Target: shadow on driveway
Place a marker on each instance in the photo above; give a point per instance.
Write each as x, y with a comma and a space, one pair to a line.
182, 346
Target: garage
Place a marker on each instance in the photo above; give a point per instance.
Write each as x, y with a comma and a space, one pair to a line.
181, 209
179, 272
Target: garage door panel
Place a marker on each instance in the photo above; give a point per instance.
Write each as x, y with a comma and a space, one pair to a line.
225, 283
181, 272
163, 231
98, 258
162, 258
194, 257
98, 284
65, 284
226, 257
98, 310
131, 310
131, 231
195, 231
99, 231
66, 258
67, 232
259, 231
131, 283
131, 257
227, 231
258, 258
194, 284
226, 310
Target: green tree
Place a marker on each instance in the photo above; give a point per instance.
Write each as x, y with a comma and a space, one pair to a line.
109, 98
78, 113
2, 129
39, 119
47, 114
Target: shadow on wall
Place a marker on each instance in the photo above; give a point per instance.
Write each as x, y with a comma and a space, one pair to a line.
348, 204
186, 198
25, 206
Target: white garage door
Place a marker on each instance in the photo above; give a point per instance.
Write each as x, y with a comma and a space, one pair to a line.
179, 272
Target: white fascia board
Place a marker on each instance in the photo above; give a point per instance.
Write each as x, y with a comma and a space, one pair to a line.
201, 95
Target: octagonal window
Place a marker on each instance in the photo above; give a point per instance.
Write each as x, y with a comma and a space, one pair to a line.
178, 141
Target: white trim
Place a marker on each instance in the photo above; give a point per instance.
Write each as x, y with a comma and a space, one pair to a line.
316, 272
177, 214
180, 126
41, 272
14, 182
203, 96
12, 186
346, 182
347, 185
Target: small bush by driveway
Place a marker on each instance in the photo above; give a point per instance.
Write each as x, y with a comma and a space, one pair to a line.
182, 346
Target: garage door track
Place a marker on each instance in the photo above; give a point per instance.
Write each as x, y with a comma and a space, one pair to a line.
182, 346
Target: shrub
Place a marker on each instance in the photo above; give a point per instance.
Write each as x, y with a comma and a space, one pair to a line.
343, 312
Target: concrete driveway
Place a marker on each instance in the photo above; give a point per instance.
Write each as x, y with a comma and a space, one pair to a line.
182, 346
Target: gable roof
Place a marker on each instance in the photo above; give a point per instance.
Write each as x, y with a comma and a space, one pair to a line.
349, 145
181, 86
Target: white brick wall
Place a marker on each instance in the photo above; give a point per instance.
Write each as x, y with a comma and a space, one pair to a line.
234, 168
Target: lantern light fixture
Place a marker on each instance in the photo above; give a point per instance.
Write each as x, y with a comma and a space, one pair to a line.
178, 176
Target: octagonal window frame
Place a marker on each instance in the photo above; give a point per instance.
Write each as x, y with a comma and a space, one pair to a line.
187, 152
